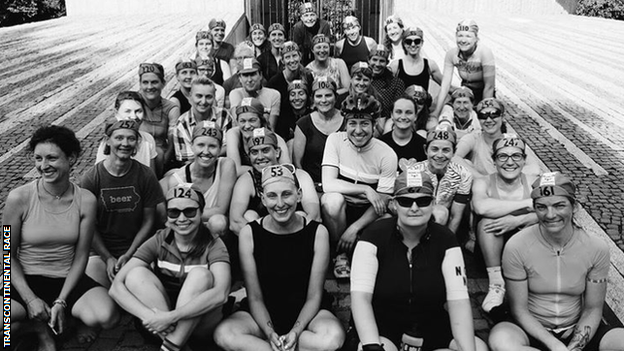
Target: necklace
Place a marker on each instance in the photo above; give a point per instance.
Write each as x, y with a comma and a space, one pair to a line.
57, 197
560, 248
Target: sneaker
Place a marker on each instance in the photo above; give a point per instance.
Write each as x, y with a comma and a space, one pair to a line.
494, 298
342, 269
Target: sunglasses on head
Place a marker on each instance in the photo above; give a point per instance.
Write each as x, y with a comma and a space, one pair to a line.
408, 201
504, 157
491, 114
409, 42
189, 212
278, 170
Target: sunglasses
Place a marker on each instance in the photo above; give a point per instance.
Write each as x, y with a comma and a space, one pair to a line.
409, 201
504, 157
409, 42
486, 115
189, 212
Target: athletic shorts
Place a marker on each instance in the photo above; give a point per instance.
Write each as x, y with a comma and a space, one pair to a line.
591, 346
354, 212
48, 289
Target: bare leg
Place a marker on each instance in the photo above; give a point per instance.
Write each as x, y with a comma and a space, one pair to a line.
251, 215
96, 310
96, 270
507, 336
323, 333
333, 207
218, 225
613, 340
480, 345
491, 245
387, 345
240, 332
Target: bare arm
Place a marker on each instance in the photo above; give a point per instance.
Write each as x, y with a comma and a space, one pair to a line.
445, 85
309, 200
224, 193
455, 216
233, 139
486, 206
489, 73
436, 73
120, 293
331, 183
284, 154
345, 78
587, 325
299, 144
243, 190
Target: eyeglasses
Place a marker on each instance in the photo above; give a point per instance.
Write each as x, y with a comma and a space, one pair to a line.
486, 115
405, 201
514, 157
409, 42
189, 212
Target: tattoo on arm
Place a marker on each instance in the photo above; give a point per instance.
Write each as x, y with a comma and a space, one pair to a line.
580, 338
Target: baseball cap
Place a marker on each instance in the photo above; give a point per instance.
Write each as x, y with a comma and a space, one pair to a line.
413, 181
207, 128
250, 65
262, 136
113, 125
214, 23
508, 140
250, 104
442, 132
553, 184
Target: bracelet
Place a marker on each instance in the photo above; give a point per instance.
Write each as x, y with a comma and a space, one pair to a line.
61, 302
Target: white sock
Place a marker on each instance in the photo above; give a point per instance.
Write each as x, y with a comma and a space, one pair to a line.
495, 276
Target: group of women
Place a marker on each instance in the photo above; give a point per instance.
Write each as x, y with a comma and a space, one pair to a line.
408, 284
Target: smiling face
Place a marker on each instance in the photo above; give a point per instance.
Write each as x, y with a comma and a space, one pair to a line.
378, 64
412, 45
218, 34
248, 121
280, 199
359, 131
277, 39
324, 100
439, 155
202, 97
493, 123
321, 51
185, 77
352, 34
206, 150
462, 107
262, 156
51, 162
150, 86
466, 41
413, 215
404, 114
184, 225
394, 32
123, 143
509, 162
309, 19
258, 37
204, 47
292, 60
360, 83
554, 213
130, 109
297, 99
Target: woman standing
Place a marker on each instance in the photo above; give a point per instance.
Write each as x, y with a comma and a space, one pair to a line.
386, 85
161, 114
177, 281
326, 66
403, 138
413, 69
271, 62
475, 65
394, 34
52, 222
258, 37
312, 130
556, 277
205, 48
278, 248
401, 281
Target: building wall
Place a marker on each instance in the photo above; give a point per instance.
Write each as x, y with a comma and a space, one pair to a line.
135, 7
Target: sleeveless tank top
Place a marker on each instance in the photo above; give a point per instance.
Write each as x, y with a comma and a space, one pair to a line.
280, 259
185, 105
217, 77
211, 194
156, 121
526, 191
352, 54
49, 236
421, 79
331, 71
244, 156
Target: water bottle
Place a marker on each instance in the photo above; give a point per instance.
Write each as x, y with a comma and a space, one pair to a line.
411, 341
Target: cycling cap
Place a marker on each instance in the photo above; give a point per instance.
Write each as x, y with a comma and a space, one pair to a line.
185, 65
463, 92
112, 126
553, 184
413, 181
252, 105
490, 104
207, 128
324, 83
442, 132
262, 136
508, 140
186, 191
468, 25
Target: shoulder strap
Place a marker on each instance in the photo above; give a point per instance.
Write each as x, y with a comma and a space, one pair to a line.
187, 172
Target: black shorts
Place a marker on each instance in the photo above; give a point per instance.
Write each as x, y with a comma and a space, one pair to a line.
591, 346
354, 212
48, 289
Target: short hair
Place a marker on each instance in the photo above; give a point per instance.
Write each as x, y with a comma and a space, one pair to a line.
201, 80
128, 95
62, 137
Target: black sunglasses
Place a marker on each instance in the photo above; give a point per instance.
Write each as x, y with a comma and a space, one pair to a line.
409, 42
486, 115
189, 212
405, 201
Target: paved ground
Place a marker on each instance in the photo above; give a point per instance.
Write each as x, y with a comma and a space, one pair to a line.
558, 75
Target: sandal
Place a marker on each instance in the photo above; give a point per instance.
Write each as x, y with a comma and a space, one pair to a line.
342, 269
